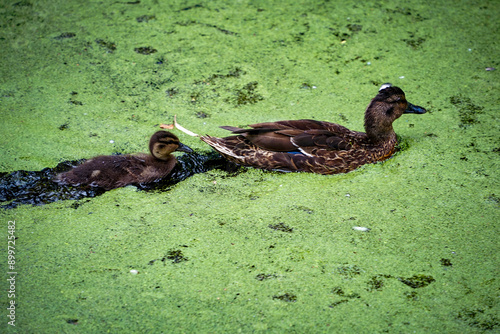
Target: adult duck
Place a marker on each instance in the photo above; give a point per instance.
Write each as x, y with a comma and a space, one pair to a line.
114, 171
318, 147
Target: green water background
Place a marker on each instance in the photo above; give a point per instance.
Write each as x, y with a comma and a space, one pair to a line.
259, 251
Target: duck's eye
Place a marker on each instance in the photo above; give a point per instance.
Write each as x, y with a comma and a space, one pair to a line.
161, 146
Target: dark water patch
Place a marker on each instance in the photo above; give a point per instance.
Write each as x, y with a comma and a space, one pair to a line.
190, 164
493, 199
145, 18
37, 188
346, 297
411, 295
413, 14
23, 4
65, 35
64, 126
107, 45
160, 60
343, 34
303, 208
287, 297
127, 2
213, 79
145, 50
467, 110
480, 317
247, 95
338, 291
417, 281
414, 42
193, 22
202, 114
377, 282
75, 102
262, 276
172, 91
192, 7
332, 305
349, 271
281, 227
446, 262
174, 255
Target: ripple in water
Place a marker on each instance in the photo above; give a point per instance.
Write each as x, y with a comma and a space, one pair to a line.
37, 187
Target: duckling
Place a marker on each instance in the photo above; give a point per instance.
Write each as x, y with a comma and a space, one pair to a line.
114, 171
318, 147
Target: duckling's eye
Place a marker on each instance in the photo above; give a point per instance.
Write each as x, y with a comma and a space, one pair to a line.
161, 146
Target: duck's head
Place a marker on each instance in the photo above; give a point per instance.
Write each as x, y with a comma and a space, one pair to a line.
389, 104
163, 143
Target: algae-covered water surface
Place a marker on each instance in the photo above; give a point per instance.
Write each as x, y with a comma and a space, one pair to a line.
405, 246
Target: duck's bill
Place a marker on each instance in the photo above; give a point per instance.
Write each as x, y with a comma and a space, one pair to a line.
184, 148
413, 109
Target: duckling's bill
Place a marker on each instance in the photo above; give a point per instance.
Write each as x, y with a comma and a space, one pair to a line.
184, 148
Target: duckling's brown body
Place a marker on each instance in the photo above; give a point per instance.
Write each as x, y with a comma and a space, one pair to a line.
315, 146
114, 171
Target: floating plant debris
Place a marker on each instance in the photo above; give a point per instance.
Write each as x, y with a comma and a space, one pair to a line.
167, 126
37, 187
361, 228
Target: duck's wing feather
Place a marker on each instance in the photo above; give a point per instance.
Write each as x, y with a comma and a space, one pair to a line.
297, 135
269, 139
241, 151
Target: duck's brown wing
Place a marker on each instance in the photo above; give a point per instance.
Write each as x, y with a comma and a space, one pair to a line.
298, 135
241, 151
271, 139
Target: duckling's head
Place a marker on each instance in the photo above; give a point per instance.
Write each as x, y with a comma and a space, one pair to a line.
163, 143
389, 104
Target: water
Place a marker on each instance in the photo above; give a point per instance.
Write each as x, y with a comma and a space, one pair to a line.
37, 188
